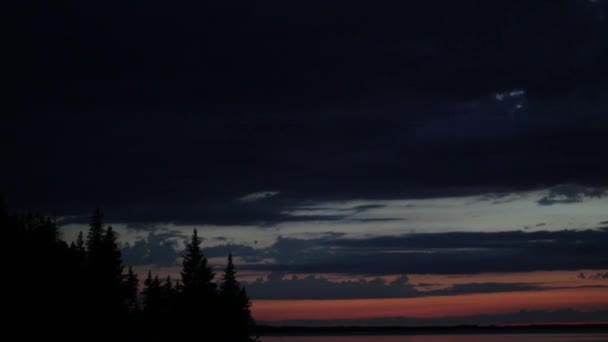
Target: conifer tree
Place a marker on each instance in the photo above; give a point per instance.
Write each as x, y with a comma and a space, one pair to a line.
112, 258
198, 297
79, 245
109, 276
96, 232
197, 274
229, 286
131, 288
168, 285
235, 306
152, 296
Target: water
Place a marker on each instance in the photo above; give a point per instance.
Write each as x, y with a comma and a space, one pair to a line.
447, 338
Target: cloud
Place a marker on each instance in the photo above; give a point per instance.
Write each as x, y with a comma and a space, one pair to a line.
261, 213
379, 219
594, 276
366, 207
247, 253
403, 106
571, 193
417, 253
312, 287
440, 253
158, 249
258, 196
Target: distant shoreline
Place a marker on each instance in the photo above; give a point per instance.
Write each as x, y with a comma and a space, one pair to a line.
440, 330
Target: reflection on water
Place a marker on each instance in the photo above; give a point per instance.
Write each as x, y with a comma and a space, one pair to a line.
447, 338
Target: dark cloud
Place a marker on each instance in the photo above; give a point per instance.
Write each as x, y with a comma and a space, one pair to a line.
441, 253
247, 253
169, 113
366, 207
313, 287
372, 220
262, 213
276, 55
595, 276
158, 249
265, 213
571, 193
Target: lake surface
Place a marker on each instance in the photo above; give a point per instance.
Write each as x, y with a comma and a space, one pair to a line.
447, 338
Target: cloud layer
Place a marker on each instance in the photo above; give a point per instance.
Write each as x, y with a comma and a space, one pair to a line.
442, 253
439, 253
344, 100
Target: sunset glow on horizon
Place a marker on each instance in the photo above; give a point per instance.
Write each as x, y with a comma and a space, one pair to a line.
430, 307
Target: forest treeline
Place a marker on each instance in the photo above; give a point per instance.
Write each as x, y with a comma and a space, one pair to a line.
83, 291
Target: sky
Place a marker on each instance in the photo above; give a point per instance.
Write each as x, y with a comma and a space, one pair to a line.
426, 162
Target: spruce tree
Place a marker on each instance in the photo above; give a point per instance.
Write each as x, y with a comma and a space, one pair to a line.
198, 298
96, 232
79, 250
99, 292
152, 296
235, 306
112, 258
110, 276
197, 274
229, 286
168, 290
80, 247
131, 288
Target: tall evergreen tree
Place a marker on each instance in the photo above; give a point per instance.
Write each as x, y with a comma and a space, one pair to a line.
131, 288
168, 285
198, 298
108, 277
197, 274
152, 296
169, 297
79, 250
79, 245
96, 233
235, 307
112, 258
229, 286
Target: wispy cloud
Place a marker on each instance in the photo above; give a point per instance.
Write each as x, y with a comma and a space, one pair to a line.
258, 196
571, 193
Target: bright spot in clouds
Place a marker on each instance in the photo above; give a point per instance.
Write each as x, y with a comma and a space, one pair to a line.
258, 196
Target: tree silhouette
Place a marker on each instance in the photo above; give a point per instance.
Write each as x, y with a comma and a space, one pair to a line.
152, 297
197, 274
198, 299
112, 258
85, 282
229, 286
79, 245
96, 232
131, 288
169, 295
235, 310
